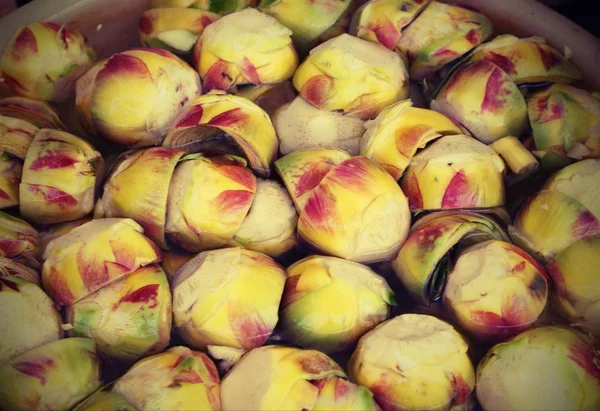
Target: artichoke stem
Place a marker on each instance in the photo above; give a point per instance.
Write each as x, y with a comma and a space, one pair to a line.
520, 160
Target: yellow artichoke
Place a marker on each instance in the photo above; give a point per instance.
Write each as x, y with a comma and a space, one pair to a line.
174, 29
42, 60
285, 378
456, 171
177, 379
228, 297
59, 180
329, 303
93, 255
217, 116
495, 290
133, 97
245, 47
547, 368
54, 376
348, 207
352, 75
414, 362
129, 318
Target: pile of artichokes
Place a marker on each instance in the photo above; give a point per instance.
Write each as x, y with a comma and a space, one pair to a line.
257, 209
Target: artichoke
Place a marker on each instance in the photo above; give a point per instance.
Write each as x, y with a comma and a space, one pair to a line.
300, 125
574, 275
394, 136
147, 176
59, 180
483, 99
455, 171
441, 35
382, 21
308, 19
42, 61
420, 264
547, 368
129, 318
133, 97
495, 290
566, 122
352, 75
174, 29
94, 255
228, 297
566, 210
528, 60
329, 303
54, 376
245, 47
217, 116
348, 207
285, 378
177, 379
414, 362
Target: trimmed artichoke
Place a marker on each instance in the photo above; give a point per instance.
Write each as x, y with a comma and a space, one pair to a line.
352, 75
209, 199
348, 207
129, 318
420, 264
547, 368
133, 97
456, 171
244, 47
529, 60
217, 116
285, 378
574, 273
440, 35
228, 297
566, 121
59, 178
42, 61
382, 21
483, 99
138, 188
300, 125
177, 379
54, 376
29, 318
329, 303
94, 255
565, 211
394, 136
308, 19
414, 362
174, 29
496, 290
